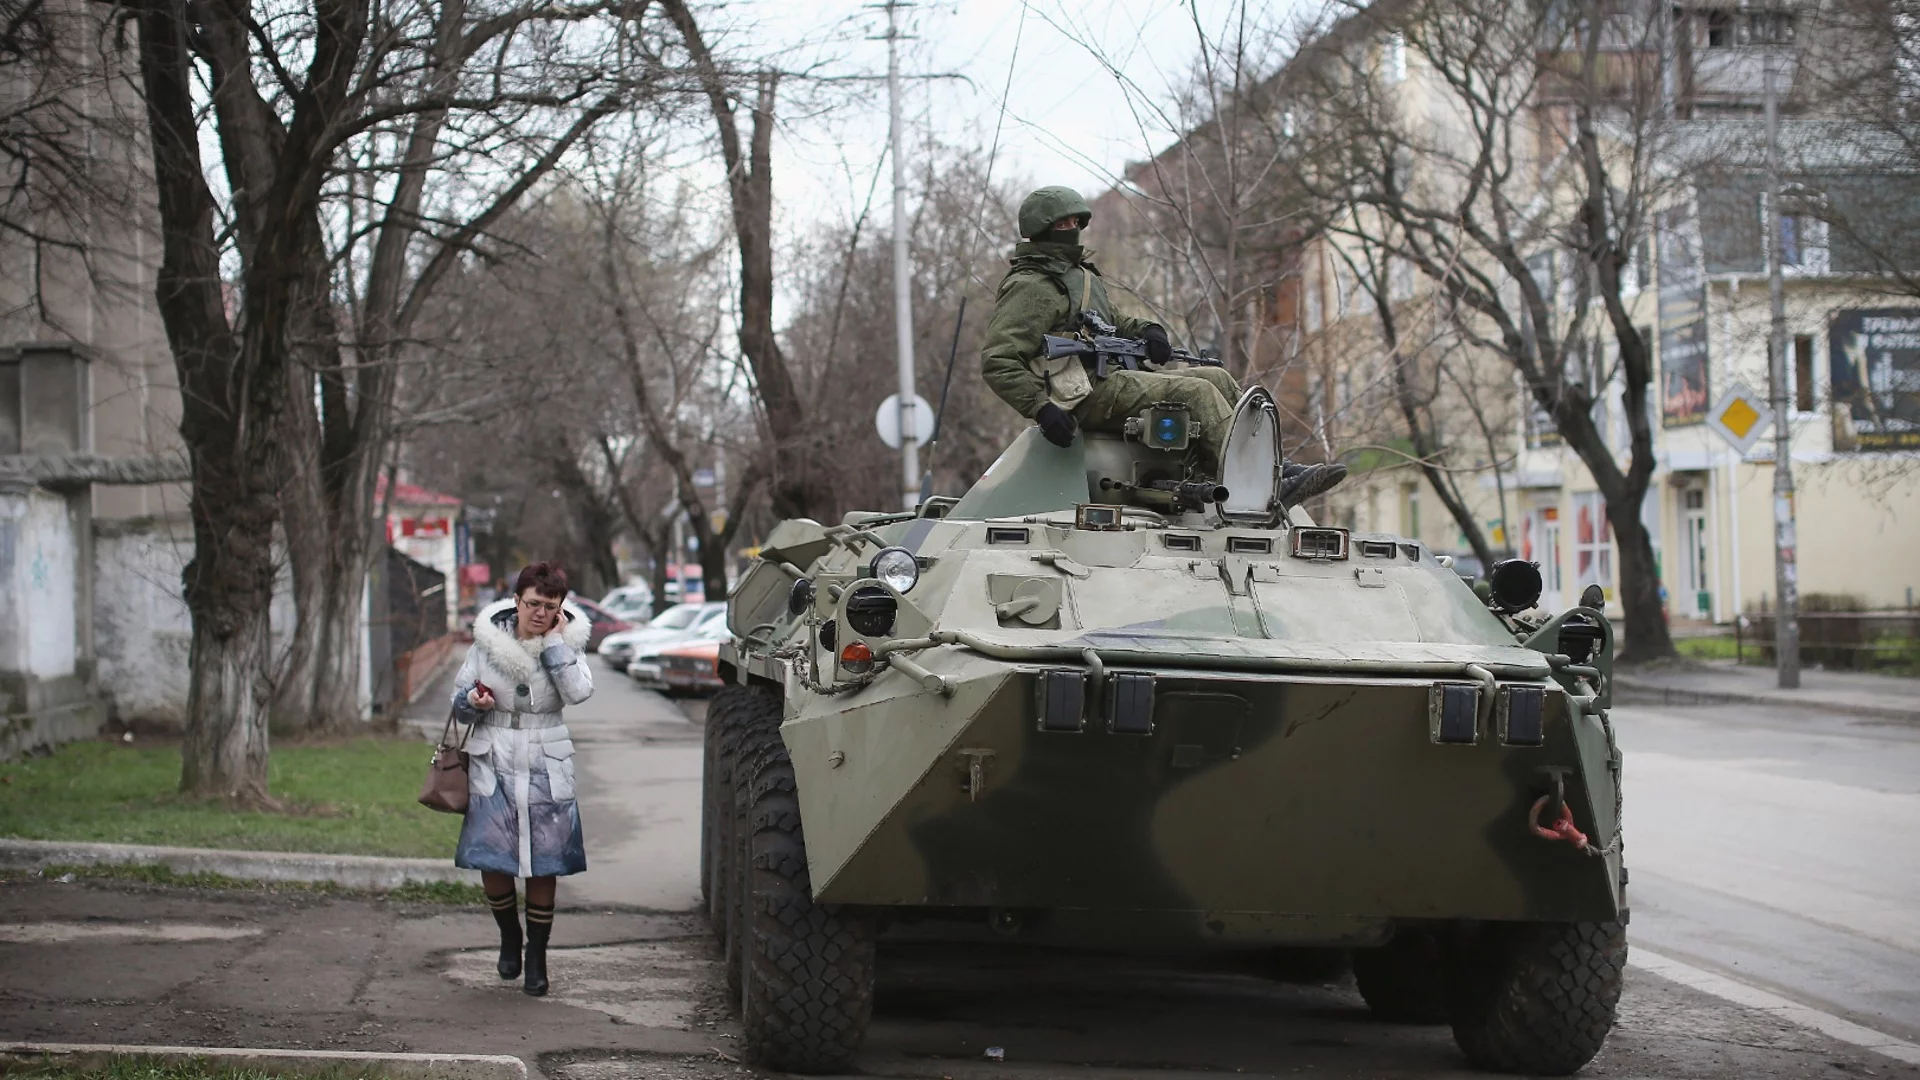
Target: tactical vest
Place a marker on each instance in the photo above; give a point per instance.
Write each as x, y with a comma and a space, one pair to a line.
1066, 378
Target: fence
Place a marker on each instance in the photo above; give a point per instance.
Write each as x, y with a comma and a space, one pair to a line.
409, 640
1841, 640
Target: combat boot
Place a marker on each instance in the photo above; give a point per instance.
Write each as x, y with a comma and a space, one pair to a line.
1299, 482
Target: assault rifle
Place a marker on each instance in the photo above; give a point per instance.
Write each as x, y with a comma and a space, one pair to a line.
1102, 341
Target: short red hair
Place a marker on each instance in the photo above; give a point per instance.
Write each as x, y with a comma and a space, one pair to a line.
545, 578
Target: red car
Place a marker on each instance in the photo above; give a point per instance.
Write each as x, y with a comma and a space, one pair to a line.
692, 669
604, 622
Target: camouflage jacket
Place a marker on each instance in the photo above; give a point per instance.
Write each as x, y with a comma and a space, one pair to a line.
1043, 294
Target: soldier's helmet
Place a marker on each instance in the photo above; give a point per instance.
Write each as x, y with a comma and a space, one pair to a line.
1041, 209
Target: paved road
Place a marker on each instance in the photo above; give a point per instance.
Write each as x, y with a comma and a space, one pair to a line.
639, 760
1779, 848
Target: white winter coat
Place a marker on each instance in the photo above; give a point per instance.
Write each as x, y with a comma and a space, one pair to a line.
522, 818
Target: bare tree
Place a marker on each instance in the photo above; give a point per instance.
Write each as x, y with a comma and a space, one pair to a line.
289, 97
1530, 147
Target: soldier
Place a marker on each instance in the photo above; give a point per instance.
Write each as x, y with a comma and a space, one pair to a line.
1050, 284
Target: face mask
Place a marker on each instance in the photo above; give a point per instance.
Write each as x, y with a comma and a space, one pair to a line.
1058, 236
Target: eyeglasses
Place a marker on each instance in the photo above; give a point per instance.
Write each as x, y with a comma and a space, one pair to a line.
535, 605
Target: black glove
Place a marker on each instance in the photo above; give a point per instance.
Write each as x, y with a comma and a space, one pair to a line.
1056, 424
1159, 349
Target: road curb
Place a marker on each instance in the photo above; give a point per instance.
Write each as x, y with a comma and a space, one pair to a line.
399, 1066
1630, 691
349, 871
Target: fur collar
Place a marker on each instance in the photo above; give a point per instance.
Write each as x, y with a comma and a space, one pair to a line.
494, 632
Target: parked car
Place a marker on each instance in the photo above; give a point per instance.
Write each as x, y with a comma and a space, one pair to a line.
604, 622
653, 666
618, 649
633, 603
692, 669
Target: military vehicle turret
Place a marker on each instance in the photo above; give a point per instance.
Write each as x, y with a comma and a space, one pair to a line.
1093, 703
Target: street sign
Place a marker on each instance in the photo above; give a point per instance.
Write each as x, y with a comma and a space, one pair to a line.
703, 478
1740, 416
920, 420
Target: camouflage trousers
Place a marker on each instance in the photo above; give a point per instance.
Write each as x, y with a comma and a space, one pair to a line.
1207, 392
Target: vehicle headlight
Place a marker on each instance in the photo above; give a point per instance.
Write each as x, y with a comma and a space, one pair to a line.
897, 569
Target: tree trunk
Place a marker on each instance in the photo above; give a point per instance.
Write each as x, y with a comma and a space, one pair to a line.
225, 751
797, 488
335, 705
713, 562
229, 581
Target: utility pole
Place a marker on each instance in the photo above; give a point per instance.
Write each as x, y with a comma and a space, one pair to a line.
902, 284
1786, 573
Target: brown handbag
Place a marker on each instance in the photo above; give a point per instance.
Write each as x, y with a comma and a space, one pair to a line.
446, 785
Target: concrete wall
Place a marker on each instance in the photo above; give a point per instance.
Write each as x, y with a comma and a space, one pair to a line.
44, 667
141, 630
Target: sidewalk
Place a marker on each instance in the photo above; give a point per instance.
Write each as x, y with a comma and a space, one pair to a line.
1722, 682
638, 763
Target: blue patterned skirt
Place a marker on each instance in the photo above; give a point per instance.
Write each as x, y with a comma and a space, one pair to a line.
521, 815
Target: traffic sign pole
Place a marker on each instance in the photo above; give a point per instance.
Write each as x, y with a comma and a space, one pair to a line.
902, 290
1786, 571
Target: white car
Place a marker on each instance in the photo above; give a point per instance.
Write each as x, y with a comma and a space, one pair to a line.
633, 603
619, 649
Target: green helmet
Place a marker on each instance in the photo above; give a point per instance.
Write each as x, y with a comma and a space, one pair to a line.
1041, 209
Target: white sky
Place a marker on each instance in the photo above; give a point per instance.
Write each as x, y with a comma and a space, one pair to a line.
1066, 118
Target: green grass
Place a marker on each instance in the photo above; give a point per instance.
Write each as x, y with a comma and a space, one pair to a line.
1713, 648
153, 1068
355, 797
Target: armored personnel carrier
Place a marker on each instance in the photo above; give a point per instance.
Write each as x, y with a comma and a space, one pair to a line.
1096, 704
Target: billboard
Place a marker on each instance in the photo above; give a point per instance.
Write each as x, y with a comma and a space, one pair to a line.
1875, 356
1683, 319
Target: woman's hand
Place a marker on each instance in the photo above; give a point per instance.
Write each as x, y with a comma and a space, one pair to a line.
480, 698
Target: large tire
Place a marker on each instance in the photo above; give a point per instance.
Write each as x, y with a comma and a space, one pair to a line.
1405, 980
1536, 998
756, 742
808, 970
734, 711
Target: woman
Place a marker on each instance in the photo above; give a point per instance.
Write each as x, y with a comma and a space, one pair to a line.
524, 667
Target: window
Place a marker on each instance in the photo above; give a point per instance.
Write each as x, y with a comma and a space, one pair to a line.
1803, 373
1719, 29
1802, 237
1592, 541
1768, 28
1792, 240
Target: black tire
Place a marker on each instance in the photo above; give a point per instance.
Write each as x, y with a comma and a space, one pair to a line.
735, 711
808, 970
1536, 998
756, 742
719, 717
1405, 980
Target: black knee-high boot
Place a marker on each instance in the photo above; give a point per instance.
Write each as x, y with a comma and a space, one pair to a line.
539, 928
506, 912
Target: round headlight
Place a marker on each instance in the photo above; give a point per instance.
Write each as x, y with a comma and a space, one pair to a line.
800, 597
897, 569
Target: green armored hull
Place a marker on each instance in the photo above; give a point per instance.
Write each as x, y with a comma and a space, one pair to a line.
1075, 710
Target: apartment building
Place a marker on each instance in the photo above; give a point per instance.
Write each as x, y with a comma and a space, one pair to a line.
1696, 290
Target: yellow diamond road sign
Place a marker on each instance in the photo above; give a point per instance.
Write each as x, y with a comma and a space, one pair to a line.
1740, 416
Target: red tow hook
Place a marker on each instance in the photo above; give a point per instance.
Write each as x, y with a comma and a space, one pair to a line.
1562, 827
